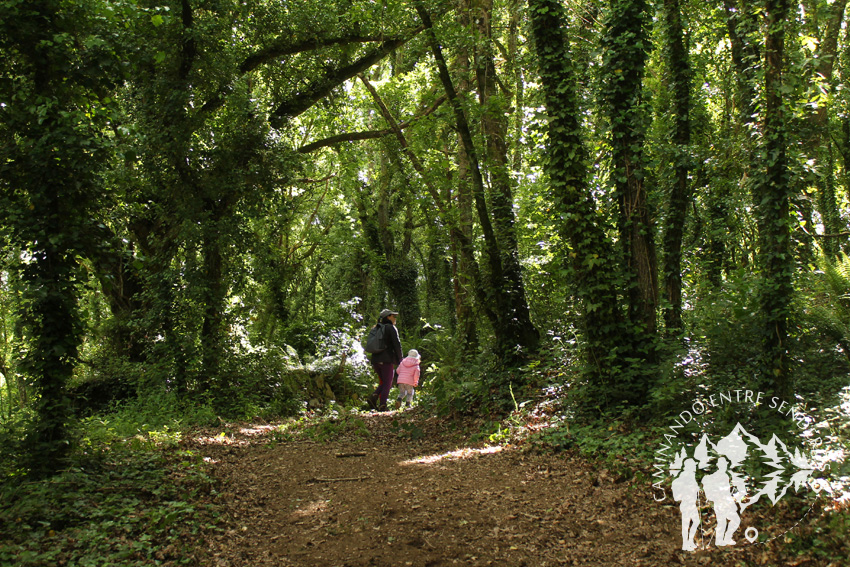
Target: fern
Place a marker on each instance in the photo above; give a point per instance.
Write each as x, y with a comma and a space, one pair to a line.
829, 309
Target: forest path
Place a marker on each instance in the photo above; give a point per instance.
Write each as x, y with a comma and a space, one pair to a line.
434, 501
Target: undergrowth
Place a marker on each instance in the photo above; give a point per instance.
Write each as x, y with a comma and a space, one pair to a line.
333, 422
129, 505
129, 495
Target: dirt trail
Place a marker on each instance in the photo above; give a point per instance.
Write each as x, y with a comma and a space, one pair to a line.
436, 501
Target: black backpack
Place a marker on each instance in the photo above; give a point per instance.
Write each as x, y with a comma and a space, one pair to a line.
375, 341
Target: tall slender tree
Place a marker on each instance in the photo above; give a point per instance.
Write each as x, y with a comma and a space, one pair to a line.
772, 198
823, 68
590, 257
54, 147
625, 49
509, 311
679, 77
494, 124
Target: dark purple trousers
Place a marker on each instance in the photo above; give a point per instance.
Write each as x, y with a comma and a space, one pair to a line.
385, 376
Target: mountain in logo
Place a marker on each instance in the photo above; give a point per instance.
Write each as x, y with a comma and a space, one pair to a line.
736, 447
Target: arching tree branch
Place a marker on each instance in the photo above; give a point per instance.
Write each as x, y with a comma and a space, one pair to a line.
346, 137
300, 101
284, 47
368, 134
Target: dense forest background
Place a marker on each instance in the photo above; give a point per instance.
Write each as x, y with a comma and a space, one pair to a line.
619, 205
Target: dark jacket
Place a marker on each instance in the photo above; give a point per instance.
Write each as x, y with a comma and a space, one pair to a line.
393, 351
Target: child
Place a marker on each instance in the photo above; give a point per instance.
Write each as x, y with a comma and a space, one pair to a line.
408, 378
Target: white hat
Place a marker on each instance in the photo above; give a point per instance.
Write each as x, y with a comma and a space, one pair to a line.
413, 353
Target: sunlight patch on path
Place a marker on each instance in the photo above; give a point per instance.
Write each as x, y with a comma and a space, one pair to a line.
255, 430
241, 439
220, 439
311, 509
458, 454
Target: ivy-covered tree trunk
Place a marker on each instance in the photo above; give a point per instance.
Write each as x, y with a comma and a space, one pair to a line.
213, 294
828, 207
742, 28
772, 198
591, 257
515, 67
679, 73
625, 48
742, 31
494, 124
461, 201
844, 145
717, 227
51, 154
511, 340
823, 66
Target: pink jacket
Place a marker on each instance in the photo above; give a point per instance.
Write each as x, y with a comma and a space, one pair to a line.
408, 371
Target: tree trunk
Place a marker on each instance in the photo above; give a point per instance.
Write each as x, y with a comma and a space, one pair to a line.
508, 341
54, 325
52, 154
519, 82
828, 207
520, 332
214, 293
741, 27
591, 256
718, 232
823, 68
625, 48
679, 71
773, 203
464, 294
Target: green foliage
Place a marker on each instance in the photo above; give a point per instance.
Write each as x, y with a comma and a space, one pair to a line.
333, 422
828, 306
54, 117
461, 395
151, 415
131, 505
454, 379
726, 322
617, 442
13, 430
167, 239
332, 427
824, 541
614, 350
407, 430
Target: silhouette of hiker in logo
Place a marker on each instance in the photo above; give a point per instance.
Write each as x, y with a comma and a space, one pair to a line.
718, 489
686, 491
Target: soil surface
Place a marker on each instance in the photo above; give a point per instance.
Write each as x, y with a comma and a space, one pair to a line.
383, 492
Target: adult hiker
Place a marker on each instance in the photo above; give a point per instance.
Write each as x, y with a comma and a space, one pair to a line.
386, 361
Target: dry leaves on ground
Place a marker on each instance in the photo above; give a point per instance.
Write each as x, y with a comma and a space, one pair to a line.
384, 499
